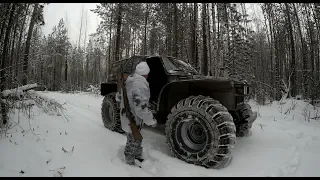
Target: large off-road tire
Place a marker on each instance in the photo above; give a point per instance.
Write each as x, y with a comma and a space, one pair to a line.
245, 119
200, 131
110, 113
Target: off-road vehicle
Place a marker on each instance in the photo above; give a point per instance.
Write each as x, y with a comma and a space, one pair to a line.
202, 115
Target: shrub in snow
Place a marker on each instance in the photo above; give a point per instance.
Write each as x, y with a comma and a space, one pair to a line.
48, 105
93, 90
25, 98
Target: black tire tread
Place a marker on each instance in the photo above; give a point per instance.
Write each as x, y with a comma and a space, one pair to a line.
244, 112
116, 126
218, 118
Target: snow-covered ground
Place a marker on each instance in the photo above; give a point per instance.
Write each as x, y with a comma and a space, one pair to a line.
77, 144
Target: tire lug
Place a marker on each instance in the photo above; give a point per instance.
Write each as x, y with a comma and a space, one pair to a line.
193, 135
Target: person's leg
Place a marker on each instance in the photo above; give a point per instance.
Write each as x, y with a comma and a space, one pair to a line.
139, 150
129, 150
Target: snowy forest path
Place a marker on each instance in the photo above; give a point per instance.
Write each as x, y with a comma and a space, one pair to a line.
280, 145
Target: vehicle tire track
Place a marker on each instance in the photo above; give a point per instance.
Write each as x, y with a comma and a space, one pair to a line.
86, 117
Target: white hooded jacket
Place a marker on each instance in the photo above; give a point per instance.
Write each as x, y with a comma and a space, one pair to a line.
138, 94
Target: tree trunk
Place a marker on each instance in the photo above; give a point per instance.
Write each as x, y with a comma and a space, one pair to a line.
312, 52
303, 52
12, 53
272, 72
145, 30
218, 41
204, 63
110, 44
66, 68
316, 16
293, 59
41, 68
3, 64
80, 34
5, 50
85, 30
118, 34
99, 67
153, 38
54, 86
26, 52
227, 40
133, 42
94, 66
192, 39
128, 44
195, 40
175, 45
21, 30
215, 43
209, 42
169, 30
4, 20
13, 44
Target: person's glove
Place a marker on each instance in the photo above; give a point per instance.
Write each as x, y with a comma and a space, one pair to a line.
118, 97
155, 124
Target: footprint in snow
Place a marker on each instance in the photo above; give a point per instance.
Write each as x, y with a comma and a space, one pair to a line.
154, 165
297, 135
159, 146
150, 164
120, 156
119, 160
291, 166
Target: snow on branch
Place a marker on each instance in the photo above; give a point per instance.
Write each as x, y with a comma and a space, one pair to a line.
18, 92
24, 98
48, 105
287, 88
93, 90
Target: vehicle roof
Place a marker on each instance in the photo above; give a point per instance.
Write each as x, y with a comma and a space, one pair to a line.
141, 56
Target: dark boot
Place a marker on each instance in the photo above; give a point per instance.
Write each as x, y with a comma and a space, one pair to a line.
140, 159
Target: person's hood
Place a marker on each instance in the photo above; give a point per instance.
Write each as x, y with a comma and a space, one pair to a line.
142, 69
137, 79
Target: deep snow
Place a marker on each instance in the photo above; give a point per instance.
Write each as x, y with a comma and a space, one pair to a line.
77, 144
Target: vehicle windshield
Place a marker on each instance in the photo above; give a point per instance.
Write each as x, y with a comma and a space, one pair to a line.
173, 65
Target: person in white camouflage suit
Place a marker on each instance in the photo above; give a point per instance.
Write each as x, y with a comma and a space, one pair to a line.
138, 93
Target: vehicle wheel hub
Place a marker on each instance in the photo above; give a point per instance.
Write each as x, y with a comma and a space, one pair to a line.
192, 133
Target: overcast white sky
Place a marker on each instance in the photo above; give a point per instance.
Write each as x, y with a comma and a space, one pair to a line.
55, 11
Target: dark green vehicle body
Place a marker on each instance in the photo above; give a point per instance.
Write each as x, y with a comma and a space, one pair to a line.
171, 80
